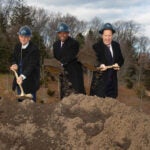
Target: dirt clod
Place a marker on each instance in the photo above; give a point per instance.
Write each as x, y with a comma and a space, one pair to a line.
78, 122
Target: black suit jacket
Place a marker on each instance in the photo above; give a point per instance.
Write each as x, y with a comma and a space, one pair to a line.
100, 83
30, 66
68, 52
67, 55
100, 50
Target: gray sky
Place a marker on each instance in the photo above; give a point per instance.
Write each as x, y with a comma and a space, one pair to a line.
108, 10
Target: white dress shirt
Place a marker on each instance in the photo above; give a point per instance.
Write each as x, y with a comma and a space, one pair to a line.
62, 44
24, 47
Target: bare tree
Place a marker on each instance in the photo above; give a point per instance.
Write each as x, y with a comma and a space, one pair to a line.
5, 13
91, 36
40, 19
95, 25
40, 23
142, 50
127, 33
76, 26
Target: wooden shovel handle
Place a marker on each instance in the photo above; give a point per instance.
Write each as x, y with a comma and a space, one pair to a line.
108, 67
20, 86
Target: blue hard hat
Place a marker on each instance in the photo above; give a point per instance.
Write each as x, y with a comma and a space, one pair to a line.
25, 31
62, 27
107, 26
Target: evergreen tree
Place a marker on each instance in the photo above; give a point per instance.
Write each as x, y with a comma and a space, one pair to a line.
4, 53
2, 23
38, 40
81, 39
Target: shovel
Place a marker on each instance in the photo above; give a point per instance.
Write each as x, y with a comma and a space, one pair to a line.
93, 68
22, 95
109, 67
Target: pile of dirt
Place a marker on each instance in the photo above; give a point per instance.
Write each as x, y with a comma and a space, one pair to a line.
77, 123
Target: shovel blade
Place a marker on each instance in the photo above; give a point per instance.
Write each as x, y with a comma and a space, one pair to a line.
25, 96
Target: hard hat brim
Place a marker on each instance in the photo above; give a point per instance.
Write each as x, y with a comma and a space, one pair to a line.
62, 31
24, 35
101, 31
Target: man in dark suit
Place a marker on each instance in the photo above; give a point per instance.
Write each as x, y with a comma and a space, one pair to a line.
26, 62
108, 52
65, 51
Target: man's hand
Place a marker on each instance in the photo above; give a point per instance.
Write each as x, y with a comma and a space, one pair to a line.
103, 67
116, 66
20, 80
14, 67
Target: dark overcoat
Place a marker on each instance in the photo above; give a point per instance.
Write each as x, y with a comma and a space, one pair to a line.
67, 55
100, 85
30, 67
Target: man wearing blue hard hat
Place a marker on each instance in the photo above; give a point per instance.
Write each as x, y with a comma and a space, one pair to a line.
110, 59
26, 62
65, 51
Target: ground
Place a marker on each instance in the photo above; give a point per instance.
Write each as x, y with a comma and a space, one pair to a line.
78, 122
127, 96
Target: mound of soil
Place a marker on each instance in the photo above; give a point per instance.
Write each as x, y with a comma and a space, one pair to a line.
78, 122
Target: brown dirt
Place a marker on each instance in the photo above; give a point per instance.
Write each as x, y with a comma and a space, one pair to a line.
77, 123
127, 96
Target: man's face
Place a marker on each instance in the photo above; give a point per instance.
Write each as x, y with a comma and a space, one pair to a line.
63, 36
24, 39
107, 37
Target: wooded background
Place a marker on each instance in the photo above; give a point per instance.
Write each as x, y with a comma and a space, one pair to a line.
134, 44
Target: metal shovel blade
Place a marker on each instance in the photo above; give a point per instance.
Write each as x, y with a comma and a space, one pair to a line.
25, 96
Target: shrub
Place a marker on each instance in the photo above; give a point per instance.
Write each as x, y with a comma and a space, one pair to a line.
50, 92
129, 84
140, 90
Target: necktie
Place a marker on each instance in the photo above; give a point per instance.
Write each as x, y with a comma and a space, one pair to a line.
109, 56
109, 82
20, 63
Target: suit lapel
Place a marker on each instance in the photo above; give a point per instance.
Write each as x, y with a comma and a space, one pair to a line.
114, 52
104, 49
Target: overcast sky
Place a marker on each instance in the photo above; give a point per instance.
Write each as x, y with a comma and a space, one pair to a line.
108, 10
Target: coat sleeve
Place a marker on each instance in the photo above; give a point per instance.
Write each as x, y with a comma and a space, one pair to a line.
33, 60
74, 51
98, 55
72, 54
120, 60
